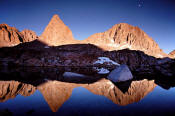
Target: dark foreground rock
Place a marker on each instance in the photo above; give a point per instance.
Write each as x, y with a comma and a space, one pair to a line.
38, 54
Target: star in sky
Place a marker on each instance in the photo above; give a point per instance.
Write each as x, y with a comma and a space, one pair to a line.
140, 3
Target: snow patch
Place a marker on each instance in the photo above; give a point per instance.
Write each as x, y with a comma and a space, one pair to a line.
102, 60
125, 46
113, 45
46, 46
159, 55
102, 70
45, 79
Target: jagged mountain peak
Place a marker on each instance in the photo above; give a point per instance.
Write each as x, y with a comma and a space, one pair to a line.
10, 36
122, 36
56, 19
57, 33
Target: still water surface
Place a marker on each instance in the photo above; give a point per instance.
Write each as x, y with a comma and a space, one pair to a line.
99, 98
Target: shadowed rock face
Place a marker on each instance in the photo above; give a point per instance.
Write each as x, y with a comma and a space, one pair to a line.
10, 36
172, 54
122, 36
57, 33
10, 89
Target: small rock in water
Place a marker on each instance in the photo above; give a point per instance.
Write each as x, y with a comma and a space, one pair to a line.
121, 73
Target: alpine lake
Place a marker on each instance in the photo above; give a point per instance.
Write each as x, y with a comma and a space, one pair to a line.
62, 92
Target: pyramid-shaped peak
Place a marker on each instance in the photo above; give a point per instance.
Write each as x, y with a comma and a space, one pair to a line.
57, 33
56, 19
55, 16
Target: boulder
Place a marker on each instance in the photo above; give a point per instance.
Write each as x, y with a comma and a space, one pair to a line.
121, 73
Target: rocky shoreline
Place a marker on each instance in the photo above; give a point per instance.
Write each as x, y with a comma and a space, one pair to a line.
56, 47
74, 55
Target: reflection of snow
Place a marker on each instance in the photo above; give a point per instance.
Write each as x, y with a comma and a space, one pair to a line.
102, 60
71, 74
101, 70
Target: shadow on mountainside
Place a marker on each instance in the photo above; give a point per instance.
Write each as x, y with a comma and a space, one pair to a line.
78, 58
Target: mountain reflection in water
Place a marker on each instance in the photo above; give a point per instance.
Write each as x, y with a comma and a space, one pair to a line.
58, 93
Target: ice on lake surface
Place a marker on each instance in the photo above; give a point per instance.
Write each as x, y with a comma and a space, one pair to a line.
52, 95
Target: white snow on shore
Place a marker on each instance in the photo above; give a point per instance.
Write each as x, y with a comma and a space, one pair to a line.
46, 47
102, 60
102, 70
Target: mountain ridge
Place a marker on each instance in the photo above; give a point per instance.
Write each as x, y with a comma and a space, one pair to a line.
172, 54
120, 36
10, 36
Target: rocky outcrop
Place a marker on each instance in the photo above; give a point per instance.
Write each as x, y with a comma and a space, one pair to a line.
172, 54
134, 59
57, 33
28, 35
33, 54
10, 89
10, 36
122, 36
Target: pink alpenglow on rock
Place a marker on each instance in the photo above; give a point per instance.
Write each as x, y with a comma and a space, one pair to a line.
57, 33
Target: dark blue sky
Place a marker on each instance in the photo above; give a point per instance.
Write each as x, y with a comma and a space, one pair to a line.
86, 17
